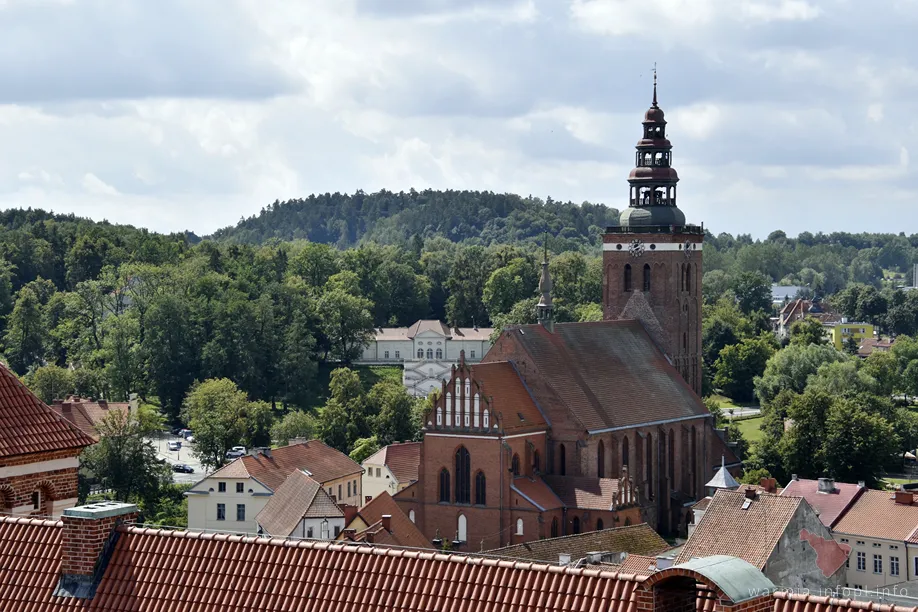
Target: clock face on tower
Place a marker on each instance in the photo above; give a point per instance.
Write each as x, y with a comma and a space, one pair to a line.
636, 248
687, 249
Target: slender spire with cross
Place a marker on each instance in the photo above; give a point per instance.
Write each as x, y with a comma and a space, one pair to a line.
654, 83
544, 309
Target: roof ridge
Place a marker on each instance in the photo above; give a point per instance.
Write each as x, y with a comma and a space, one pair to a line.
29, 520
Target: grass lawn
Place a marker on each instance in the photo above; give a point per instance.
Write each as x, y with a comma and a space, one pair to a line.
725, 402
898, 481
750, 429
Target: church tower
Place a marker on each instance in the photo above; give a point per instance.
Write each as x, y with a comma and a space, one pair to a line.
652, 259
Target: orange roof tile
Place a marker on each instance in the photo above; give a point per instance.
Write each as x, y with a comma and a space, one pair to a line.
638, 539
87, 415
830, 506
511, 399
27, 425
402, 459
323, 463
584, 492
876, 514
537, 493
152, 570
402, 532
641, 565
299, 497
727, 529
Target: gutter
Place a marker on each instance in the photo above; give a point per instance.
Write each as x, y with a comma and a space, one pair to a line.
593, 432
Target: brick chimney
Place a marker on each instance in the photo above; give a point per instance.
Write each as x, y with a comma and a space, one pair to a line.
350, 513
387, 522
825, 485
769, 484
87, 542
904, 497
751, 493
349, 534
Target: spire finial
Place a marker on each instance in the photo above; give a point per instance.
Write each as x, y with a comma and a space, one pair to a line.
654, 83
544, 307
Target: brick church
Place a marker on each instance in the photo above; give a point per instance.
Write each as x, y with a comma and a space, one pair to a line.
569, 427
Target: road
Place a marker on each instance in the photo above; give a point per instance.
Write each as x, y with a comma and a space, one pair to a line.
183, 455
741, 412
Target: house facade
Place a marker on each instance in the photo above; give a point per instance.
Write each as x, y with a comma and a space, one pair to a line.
843, 331
426, 350
39, 453
230, 498
301, 508
391, 469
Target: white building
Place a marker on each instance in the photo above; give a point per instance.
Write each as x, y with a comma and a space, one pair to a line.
301, 508
391, 468
427, 350
230, 498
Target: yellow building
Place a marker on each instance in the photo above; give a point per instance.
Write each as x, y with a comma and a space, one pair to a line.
840, 332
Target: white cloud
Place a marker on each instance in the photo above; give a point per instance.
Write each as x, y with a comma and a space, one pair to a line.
96, 186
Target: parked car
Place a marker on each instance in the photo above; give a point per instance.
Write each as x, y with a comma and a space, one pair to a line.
173, 445
240, 449
182, 467
233, 454
184, 433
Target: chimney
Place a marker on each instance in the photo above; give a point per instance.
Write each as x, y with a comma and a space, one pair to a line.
750, 493
350, 513
87, 541
564, 559
387, 522
769, 484
861, 484
294, 441
262, 450
368, 537
793, 477
825, 485
349, 534
904, 497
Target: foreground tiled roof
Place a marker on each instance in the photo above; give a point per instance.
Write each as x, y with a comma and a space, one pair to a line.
402, 532
638, 539
27, 425
876, 514
750, 534
830, 506
608, 373
86, 414
299, 497
803, 602
152, 570
402, 459
322, 462
584, 492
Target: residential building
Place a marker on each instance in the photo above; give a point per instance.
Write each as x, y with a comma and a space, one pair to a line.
391, 469
874, 345
638, 539
301, 508
799, 309
612, 403
381, 521
230, 498
878, 527
830, 499
87, 414
426, 351
39, 453
780, 535
844, 331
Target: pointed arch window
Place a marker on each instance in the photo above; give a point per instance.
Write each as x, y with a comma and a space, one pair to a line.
481, 490
463, 476
444, 486
519, 526
646, 277
536, 462
462, 528
554, 527
649, 466
625, 452
575, 525
627, 277
439, 416
562, 461
515, 465
688, 278
486, 419
599, 524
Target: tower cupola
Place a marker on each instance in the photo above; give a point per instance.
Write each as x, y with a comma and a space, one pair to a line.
653, 180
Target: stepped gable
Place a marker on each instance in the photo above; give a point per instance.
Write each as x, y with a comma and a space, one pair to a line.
27, 425
608, 374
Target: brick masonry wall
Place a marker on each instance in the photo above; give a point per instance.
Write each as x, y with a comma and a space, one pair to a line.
84, 539
16, 491
38, 457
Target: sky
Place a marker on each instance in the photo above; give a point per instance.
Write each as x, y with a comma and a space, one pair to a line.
797, 115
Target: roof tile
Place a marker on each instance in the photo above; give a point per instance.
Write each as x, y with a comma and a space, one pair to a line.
402, 532
875, 514
297, 498
638, 539
830, 506
402, 459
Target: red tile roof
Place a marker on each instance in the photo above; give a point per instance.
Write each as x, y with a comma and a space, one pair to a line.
323, 463
584, 492
875, 514
638, 539
299, 497
501, 382
830, 506
641, 565
27, 425
536, 492
85, 414
402, 532
402, 459
152, 570
607, 373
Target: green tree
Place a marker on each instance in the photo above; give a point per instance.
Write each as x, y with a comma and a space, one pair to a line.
50, 382
396, 412
857, 444
170, 346
347, 323
505, 287
343, 418
364, 448
122, 355
26, 333
295, 424
802, 446
739, 364
753, 292
808, 331
842, 378
791, 367
754, 476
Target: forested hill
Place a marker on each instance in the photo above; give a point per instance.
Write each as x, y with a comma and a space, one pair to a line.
479, 217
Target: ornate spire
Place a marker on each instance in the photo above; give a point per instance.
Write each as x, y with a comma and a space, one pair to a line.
544, 309
654, 84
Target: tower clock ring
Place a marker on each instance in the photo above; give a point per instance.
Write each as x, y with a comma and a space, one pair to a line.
636, 248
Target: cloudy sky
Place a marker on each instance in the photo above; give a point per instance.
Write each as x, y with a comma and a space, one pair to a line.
189, 114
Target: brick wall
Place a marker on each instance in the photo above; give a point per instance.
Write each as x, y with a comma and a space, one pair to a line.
84, 539
16, 491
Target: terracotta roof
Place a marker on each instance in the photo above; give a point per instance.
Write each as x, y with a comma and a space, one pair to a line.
152, 570
299, 497
803, 602
511, 399
638, 539
608, 373
702, 504
402, 532
641, 565
875, 514
323, 463
584, 492
86, 414
27, 425
830, 506
537, 493
750, 534
402, 459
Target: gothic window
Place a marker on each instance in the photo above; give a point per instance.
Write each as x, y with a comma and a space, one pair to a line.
439, 416
486, 419
430, 353
672, 460
646, 277
554, 527
444, 485
515, 465
519, 527
480, 489
420, 353
625, 452
411, 515
601, 460
688, 277
627, 277
575, 525
449, 404
694, 460
475, 411
463, 476
439, 353
649, 466
462, 528
599, 524
562, 461
536, 462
